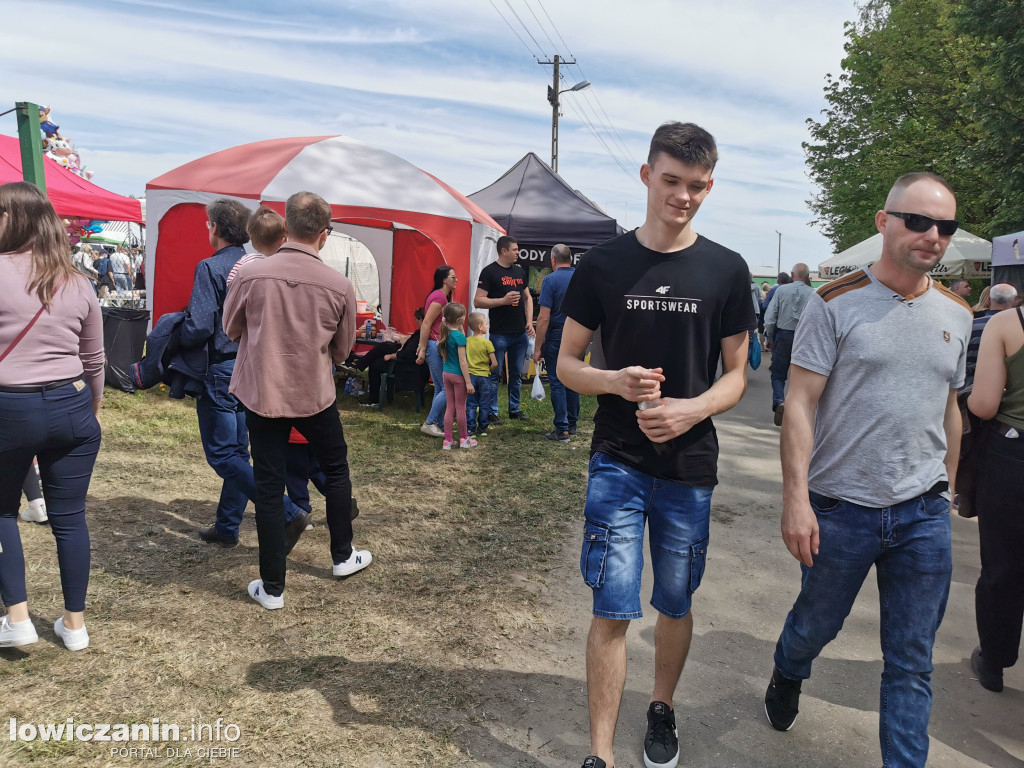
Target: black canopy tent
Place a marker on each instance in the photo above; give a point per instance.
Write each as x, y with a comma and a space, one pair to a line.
536, 207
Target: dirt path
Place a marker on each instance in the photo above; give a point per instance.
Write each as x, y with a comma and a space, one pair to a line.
534, 709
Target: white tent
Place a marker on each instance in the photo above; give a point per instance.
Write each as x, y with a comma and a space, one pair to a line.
967, 256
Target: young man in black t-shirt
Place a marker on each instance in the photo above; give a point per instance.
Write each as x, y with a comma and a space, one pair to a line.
669, 303
502, 291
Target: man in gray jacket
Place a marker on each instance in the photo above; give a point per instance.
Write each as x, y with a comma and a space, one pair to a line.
780, 323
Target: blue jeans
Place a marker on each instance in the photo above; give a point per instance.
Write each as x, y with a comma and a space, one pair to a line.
513, 344
564, 401
226, 444
122, 282
910, 546
478, 404
620, 501
782, 351
435, 364
57, 426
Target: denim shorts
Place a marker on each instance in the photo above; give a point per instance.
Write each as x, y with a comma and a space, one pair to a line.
620, 501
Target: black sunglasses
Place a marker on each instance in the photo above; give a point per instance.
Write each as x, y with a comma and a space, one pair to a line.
328, 229
918, 222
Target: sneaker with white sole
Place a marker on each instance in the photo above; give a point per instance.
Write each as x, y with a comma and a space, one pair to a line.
446, 445
469, 442
432, 429
661, 744
257, 593
359, 559
35, 512
74, 639
14, 634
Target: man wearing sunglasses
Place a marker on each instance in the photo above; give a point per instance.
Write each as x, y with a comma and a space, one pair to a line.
869, 451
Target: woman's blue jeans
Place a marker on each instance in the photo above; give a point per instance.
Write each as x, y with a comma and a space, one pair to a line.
910, 546
437, 405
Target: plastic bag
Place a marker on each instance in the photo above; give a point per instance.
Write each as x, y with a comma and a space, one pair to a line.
754, 353
537, 393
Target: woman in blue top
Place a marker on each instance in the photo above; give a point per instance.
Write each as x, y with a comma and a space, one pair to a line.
457, 384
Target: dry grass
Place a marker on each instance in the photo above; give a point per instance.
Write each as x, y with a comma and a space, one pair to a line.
385, 668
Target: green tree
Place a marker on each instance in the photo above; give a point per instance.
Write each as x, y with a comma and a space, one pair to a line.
900, 104
995, 96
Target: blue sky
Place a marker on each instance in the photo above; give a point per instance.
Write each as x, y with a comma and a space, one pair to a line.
142, 87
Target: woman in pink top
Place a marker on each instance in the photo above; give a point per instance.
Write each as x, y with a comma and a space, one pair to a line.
51, 383
430, 332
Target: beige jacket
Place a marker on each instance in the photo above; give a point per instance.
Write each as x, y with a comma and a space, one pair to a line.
291, 315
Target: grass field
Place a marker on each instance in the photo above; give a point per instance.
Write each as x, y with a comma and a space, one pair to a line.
376, 670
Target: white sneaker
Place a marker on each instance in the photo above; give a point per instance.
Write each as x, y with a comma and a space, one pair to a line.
14, 634
35, 512
257, 593
359, 559
432, 429
469, 442
74, 639
446, 445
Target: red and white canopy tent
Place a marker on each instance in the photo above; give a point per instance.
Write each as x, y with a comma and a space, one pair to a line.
410, 221
72, 196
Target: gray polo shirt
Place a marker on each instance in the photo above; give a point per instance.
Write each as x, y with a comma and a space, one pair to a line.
890, 362
787, 305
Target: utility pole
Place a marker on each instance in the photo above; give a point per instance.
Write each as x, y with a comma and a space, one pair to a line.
32, 168
778, 264
553, 94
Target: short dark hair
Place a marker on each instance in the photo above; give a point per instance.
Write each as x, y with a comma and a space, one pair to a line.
231, 218
686, 142
307, 215
505, 242
957, 282
784, 278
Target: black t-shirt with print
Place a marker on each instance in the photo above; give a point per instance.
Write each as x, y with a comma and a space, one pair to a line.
661, 310
497, 281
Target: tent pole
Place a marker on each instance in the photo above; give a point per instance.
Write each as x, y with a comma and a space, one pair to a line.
32, 168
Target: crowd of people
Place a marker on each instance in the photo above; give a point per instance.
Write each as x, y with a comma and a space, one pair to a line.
119, 271
870, 440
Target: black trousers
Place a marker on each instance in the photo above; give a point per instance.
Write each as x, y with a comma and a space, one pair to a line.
268, 443
999, 596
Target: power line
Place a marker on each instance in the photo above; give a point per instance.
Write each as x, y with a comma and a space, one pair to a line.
541, 25
626, 157
586, 121
528, 50
564, 44
539, 46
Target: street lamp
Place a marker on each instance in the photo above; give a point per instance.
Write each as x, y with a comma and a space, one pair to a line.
553, 94
779, 263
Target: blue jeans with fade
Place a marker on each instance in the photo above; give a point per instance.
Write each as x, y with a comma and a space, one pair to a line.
515, 345
910, 546
564, 402
436, 366
478, 404
226, 444
782, 352
621, 501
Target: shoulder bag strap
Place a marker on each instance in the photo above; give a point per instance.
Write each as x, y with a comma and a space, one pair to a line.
1020, 317
28, 327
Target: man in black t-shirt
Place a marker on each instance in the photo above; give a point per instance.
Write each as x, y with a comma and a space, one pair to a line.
502, 291
669, 303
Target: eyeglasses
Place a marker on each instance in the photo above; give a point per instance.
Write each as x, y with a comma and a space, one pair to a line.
209, 225
328, 229
918, 222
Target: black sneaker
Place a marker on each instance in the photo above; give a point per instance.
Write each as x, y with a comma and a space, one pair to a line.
779, 409
212, 536
661, 744
495, 421
990, 681
594, 762
561, 437
572, 430
294, 530
518, 415
781, 701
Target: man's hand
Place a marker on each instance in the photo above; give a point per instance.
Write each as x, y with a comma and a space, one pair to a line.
800, 531
536, 355
530, 330
510, 298
638, 384
674, 417
421, 355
